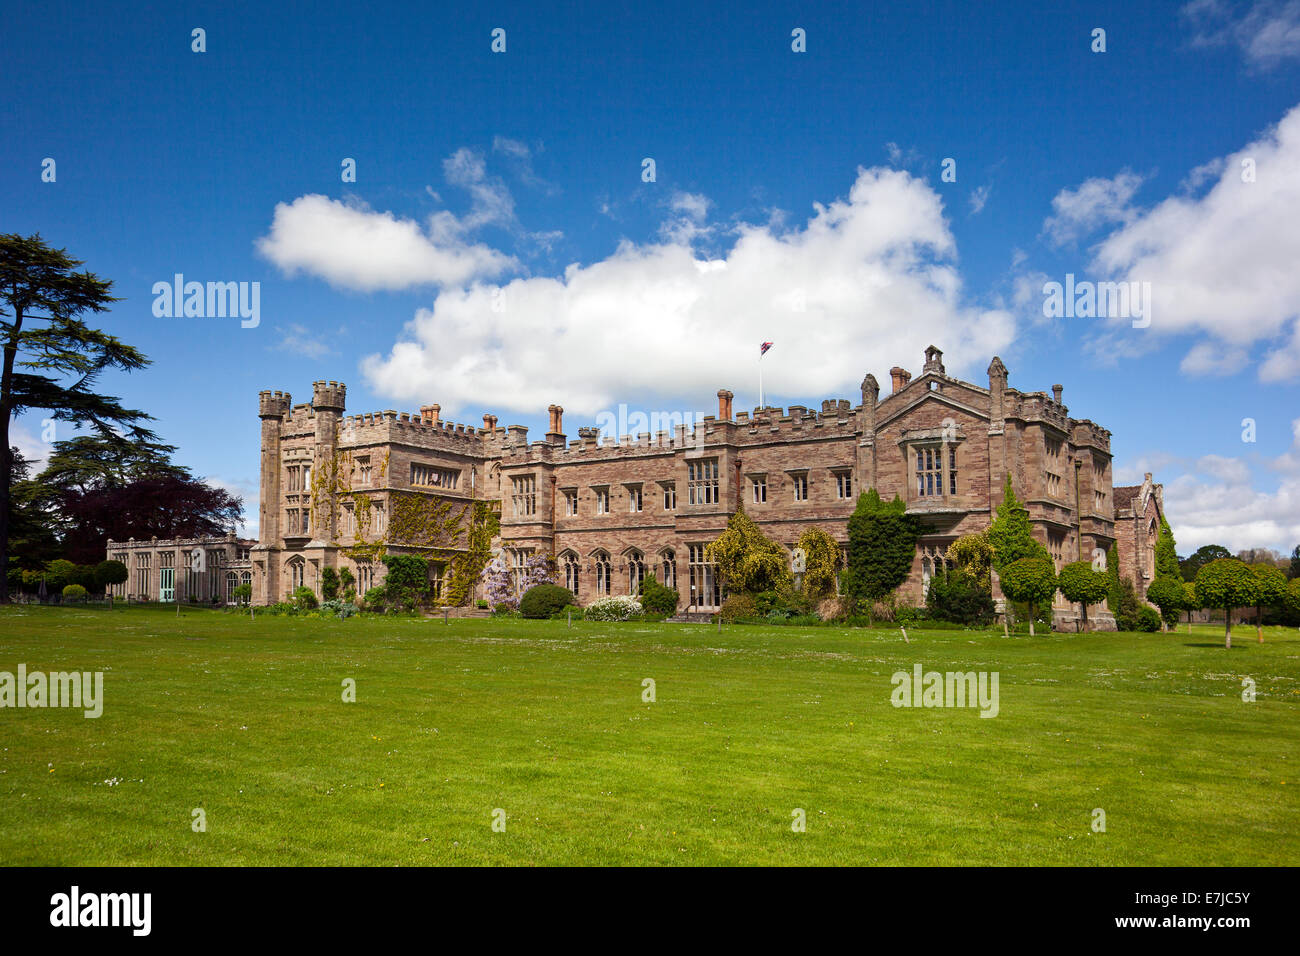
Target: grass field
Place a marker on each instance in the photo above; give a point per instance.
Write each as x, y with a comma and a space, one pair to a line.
246, 721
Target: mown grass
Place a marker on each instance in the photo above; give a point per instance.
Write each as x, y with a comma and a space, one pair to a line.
246, 721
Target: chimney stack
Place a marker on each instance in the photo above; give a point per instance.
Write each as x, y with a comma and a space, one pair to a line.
899, 377
490, 425
1056, 393
556, 431
430, 412
724, 405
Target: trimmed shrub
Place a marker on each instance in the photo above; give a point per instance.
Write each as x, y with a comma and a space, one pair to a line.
542, 601
407, 581
658, 599
329, 584
374, 599
304, 599
1147, 619
74, 592
957, 597
621, 608
738, 607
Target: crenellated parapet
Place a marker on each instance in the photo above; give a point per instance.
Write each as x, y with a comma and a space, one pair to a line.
273, 404
331, 396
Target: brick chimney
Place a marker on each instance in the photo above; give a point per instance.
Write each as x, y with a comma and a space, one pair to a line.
430, 412
1056, 393
555, 433
724, 405
899, 377
490, 425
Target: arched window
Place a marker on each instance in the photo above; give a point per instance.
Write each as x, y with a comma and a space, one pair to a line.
635, 572
668, 571
232, 582
569, 561
297, 573
603, 572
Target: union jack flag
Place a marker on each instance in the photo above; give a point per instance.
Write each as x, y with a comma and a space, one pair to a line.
762, 349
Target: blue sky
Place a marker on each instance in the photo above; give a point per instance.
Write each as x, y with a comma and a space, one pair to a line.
500, 250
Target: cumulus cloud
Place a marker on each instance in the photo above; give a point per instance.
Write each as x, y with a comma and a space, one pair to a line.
1222, 264
866, 280
1207, 359
1266, 32
1215, 499
1098, 202
354, 247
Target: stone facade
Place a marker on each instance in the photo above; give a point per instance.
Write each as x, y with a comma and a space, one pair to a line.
609, 512
1138, 511
167, 570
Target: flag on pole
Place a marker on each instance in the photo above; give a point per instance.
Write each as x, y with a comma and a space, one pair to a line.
762, 349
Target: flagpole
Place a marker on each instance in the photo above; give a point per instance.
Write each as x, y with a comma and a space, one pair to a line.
760, 380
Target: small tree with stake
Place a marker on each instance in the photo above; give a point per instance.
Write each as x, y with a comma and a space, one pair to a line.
1226, 583
1031, 580
1168, 594
1270, 588
1080, 583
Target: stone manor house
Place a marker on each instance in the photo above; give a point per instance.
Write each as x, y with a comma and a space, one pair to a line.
611, 512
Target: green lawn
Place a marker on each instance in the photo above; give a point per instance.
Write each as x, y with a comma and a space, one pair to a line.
245, 720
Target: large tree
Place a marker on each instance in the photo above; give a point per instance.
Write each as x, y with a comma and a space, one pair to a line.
1202, 556
32, 542
163, 506
1011, 535
42, 300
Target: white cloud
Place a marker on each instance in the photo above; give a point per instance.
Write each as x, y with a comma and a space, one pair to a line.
299, 340
34, 451
1222, 264
350, 245
694, 205
1215, 500
978, 198
873, 274
1097, 202
1267, 33
1207, 359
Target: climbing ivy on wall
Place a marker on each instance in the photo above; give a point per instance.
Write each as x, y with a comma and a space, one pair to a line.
459, 534
484, 526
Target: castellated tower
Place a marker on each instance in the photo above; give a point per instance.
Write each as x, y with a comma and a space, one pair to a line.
328, 400
273, 409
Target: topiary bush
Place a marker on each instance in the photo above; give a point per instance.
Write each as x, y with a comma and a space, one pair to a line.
74, 592
620, 608
542, 601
